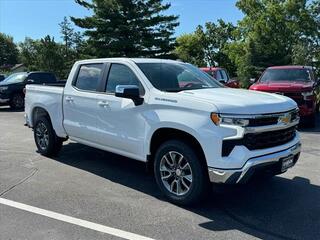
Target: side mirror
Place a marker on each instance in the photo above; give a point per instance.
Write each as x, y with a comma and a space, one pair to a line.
223, 81
30, 81
252, 80
129, 91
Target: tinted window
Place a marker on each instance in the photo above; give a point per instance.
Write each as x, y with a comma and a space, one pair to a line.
42, 77
88, 77
286, 75
175, 77
121, 75
224, 75
219, 76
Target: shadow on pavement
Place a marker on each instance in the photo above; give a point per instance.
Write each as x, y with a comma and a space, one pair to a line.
269, 209
8, 109
303, 126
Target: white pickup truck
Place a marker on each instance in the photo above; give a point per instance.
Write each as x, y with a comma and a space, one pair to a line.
171, 115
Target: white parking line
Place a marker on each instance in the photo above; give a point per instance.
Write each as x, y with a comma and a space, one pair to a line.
75, 221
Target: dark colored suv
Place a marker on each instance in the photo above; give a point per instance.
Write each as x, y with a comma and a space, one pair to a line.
12, 88
2, 77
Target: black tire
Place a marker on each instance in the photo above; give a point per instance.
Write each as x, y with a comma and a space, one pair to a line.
49, 144
199, 187
17, 101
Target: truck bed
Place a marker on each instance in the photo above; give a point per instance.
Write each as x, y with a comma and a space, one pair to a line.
50, 97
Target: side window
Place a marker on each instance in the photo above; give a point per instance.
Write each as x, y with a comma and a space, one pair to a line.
88, 77
224, 75
35, 77
120, 74
218, 75
47, 78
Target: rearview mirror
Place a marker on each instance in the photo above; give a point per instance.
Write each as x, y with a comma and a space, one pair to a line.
29, 81
252, 80
129, 91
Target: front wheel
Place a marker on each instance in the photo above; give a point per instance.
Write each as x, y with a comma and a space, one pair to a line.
180, 174
17, 102
48, 143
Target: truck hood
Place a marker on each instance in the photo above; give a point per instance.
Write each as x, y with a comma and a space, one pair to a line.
283, 86
240, 101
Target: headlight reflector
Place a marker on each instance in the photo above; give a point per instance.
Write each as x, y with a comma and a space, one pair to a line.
228, 120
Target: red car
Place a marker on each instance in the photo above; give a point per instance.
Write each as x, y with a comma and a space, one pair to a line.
297, 82
221, 75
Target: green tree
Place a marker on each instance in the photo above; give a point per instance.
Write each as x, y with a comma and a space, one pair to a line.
189, 48
8, 51
43, 55
214, 38
67, 34
130, 28
269, 33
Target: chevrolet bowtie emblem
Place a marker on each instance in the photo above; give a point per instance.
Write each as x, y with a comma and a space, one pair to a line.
285, 119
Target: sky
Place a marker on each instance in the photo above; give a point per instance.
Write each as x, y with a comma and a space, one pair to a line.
38, 18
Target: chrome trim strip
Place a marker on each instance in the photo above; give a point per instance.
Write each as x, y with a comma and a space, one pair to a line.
274, 127
236, 175
256, 116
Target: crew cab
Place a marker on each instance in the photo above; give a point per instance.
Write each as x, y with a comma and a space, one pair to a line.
12, 88
221, 75
297, 82
188, 128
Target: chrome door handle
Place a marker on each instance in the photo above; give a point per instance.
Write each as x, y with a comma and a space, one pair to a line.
103, 104
69, 99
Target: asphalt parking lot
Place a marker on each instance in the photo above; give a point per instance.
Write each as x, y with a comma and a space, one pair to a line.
119, 195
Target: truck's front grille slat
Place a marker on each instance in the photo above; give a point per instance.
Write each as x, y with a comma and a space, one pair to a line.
255, 141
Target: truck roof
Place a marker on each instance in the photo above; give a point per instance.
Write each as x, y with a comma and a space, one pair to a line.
290, 67
211, 68
136, 60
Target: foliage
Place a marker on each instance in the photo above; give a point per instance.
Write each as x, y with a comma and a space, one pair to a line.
206, 46
131, 28
189, 48
272, 33
42, 55
8, 52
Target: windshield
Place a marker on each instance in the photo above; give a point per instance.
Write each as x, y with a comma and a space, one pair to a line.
176, 77
286, 75
15, 78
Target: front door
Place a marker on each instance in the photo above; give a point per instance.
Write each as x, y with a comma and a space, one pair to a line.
121, 124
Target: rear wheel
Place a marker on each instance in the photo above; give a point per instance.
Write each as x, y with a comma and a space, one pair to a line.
17, 101
180, 174
48, 143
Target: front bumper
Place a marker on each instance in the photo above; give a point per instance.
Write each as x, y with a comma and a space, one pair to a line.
233, 176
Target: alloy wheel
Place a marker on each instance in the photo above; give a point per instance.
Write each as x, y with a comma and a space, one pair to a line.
176, 173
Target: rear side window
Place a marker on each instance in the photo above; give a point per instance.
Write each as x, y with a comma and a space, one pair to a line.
122, 75
224, 75
42, 78
88, 77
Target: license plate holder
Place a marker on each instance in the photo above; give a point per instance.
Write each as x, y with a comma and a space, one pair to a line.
287, 162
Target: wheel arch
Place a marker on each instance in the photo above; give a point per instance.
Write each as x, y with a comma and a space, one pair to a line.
163, 134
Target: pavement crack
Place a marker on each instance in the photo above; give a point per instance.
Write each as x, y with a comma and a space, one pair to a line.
35, 170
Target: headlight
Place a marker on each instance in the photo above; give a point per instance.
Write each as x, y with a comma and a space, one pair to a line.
3, 88
228, 120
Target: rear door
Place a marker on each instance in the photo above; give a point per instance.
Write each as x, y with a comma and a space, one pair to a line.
80, 102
